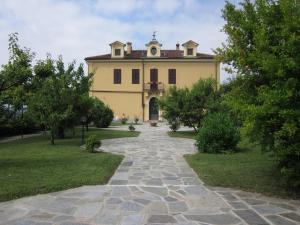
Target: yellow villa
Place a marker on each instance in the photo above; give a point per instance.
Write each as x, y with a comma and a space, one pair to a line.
130, 81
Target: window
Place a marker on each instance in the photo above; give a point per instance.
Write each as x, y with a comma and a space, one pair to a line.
172, 76
153, 51
190, 51
135, 76
117, 51
117, 76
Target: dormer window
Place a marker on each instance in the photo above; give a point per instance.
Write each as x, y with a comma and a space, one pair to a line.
117, 49
190, 49
117, 52
153, 51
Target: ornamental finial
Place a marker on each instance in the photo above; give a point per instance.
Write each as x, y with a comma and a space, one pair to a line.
153, 35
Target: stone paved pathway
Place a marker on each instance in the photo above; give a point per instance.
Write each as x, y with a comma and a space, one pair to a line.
153, 185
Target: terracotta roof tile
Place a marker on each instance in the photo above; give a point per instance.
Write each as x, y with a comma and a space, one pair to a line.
165, 54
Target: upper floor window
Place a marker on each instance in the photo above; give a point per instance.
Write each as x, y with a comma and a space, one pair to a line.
117, 51
190, 51
135, 76
172, 76
117, 76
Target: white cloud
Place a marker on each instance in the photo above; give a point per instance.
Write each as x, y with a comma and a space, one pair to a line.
78, 28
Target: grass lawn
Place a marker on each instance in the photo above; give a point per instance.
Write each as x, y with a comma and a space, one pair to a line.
33, 166
248, 170
183, 134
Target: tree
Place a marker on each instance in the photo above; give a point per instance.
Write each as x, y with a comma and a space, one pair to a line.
15, 84
262, 48
189, 106
59, 99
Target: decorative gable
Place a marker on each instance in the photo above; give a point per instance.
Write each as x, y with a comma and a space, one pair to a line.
117, 49
153, 47
190, 49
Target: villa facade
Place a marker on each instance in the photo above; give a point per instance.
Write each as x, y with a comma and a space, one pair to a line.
130, 81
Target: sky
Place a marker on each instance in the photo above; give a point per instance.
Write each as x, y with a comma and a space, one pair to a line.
76, 29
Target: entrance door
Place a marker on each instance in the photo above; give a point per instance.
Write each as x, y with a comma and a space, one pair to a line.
153, 79
153, 109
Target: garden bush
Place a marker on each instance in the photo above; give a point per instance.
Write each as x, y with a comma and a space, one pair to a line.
91, 142
174, 125
217, 134
131, 127
124, 119
136, 120
102, 115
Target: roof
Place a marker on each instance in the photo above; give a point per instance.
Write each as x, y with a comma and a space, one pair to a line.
117, 43
190, 42
165, 54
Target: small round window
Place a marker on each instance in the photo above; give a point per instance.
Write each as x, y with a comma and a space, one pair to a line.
153, 51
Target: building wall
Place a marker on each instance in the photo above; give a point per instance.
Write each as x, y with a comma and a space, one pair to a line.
127, 98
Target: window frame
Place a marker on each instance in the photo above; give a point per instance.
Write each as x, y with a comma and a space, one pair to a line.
172, 76
117, 76
135, 76
190, 51
117, 50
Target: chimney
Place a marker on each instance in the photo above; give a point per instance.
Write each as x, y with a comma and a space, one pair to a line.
129, 48
177, 46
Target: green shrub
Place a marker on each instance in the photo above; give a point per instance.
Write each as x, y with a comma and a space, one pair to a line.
131, 127
174, 125
92, 142
102, 115
124, 119
217, 134
136, 120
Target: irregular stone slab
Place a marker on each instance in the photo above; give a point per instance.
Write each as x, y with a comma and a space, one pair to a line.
131, 206
161, 219
238, 205
251, 217
142, 201
118, 182
278, 220
268, 209
292, 216
119, 191
128, 163
161, 191
113, 201
132, 220
177, 207
88, 210
217, 219
254, 201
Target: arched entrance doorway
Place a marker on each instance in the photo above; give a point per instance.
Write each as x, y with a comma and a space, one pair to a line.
153, 109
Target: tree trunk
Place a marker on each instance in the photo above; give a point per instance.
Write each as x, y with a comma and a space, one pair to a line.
52, 136
87, 127
74, 132
61, 132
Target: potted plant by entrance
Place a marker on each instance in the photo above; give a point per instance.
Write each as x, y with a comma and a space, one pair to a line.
153, 123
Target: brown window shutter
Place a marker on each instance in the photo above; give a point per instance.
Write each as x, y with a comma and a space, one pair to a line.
172, 76
135, 76
117, 76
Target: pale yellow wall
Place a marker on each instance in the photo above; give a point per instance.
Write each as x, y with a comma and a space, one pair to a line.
128, 103
119, 98
187, 73
104, 76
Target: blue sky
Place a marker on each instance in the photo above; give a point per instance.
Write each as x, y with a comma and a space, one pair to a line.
80, 28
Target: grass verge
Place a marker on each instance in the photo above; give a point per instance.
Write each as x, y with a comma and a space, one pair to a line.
249, 169
33, 166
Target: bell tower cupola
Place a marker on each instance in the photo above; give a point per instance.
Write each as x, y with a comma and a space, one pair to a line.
153, 47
